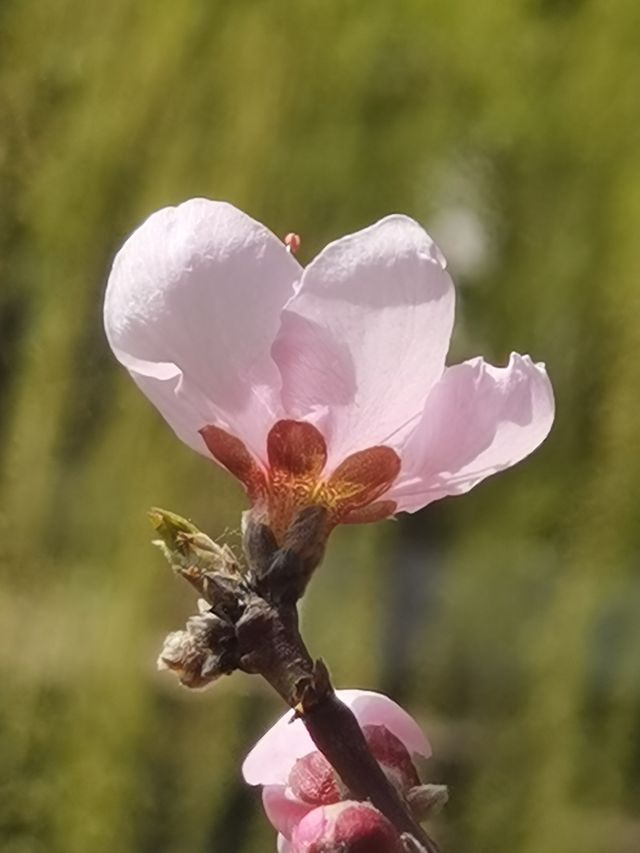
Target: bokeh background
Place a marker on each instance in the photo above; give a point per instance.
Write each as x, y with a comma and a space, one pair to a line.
507, 620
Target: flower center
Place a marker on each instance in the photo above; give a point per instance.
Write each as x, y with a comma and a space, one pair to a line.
297, 456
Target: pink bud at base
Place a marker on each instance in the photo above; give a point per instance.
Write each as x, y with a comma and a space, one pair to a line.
393, 757
347, 827
313, 780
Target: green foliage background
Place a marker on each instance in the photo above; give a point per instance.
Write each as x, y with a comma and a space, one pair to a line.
507, 620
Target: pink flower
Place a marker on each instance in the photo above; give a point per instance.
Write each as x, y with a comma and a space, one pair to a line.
346, 827
318, 385
297, 779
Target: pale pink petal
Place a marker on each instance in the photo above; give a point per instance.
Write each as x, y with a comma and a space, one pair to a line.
282, 845
366, 335
192, 308
317, 826
377, 709
283, 810
271, 759
478, 420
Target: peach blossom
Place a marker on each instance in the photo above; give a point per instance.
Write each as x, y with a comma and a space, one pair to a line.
297, 779
325, 384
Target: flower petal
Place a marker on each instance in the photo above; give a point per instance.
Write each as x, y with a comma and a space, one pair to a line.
283, 811
192, 307
478, 420
369, 325
373, 708
282, 845
271, 759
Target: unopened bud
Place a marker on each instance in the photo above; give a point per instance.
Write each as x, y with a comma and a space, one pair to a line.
347, 827
313, 780
425, 801
191, 552
201, 653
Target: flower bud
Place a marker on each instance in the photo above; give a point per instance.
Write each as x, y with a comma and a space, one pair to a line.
313, 780
189, 551
425, 801
201, 653
347, 827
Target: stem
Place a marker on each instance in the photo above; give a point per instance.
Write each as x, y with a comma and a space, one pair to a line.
270, 644
256, 621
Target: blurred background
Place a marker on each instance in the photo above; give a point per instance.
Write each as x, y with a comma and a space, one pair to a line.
507, 621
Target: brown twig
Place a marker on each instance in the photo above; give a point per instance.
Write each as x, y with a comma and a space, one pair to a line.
260, 606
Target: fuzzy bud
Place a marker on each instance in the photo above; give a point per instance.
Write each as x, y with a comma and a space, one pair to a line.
201, 653
425, 801
347, 827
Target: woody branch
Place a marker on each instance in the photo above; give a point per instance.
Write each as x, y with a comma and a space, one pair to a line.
248, 621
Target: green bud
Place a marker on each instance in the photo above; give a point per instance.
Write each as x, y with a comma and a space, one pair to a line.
189, 551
